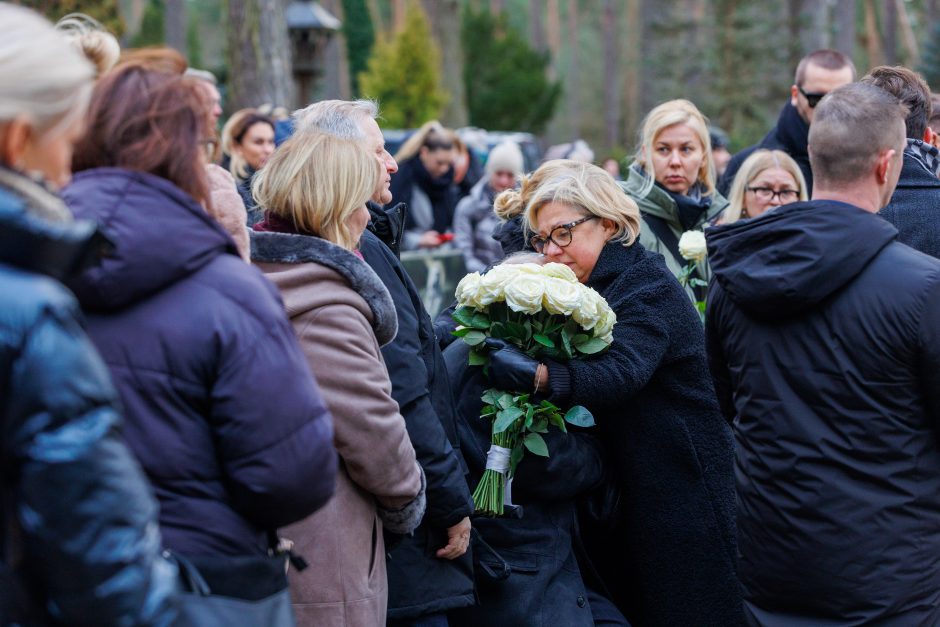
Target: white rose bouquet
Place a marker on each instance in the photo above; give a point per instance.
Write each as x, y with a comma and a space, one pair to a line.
547, 314
694, 250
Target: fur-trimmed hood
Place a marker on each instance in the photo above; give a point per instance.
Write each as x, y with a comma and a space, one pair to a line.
270, 249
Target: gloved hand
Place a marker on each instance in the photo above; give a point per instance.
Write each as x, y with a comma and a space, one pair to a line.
511, 369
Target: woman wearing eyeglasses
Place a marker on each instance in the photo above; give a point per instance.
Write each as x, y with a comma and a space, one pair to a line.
666, 554
672, 179
766, 180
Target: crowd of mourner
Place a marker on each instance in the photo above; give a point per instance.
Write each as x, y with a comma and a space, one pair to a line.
701, 392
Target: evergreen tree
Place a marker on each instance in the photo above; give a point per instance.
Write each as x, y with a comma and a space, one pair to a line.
151, 26
404, 74
360, 38
506, 82
105, 11
930, 63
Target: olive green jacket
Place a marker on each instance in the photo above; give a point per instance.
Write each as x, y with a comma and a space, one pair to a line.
655, 201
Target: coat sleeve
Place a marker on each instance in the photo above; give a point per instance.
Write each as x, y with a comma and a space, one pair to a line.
930, 353
717, 363
370, 433
87, 515
574, 466
273, 431
464, 236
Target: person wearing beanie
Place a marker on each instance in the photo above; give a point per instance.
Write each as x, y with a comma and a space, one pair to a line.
474, 220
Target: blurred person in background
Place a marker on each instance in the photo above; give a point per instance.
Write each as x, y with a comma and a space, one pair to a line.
425, 183
92, 40
474, 219
79, 545
248, 142
612, 167
766, 180
720, 154
195, 339
467, 168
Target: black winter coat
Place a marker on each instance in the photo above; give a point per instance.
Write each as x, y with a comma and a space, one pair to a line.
824, 341
671, 559
86, 547
418, 581
914, 209
221, 407
790, 134
527, 572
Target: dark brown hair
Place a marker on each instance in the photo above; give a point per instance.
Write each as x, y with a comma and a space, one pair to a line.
910, 88
150, 121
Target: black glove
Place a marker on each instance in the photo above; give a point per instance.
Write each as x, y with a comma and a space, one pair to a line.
511, 369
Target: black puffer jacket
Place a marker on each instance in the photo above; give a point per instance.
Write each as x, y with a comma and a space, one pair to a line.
418, 581
824, 341
87, 551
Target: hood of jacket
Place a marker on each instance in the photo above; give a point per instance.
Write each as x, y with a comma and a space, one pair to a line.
388, 224
159, 233
318, 261
790, 259
655, 201
37, 232
791, 133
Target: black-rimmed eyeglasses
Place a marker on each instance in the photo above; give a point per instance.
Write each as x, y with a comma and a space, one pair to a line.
767, 194
560, 235
811, 99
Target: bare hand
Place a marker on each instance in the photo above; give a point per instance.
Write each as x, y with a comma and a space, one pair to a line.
458, 539
429, 239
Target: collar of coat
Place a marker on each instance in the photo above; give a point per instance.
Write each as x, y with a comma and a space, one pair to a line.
273, 247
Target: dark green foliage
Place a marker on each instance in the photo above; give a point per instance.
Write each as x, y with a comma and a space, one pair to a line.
105, 11
193, 41
360, 37
506, 82
151, 27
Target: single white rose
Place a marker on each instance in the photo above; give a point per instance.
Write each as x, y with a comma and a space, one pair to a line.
467, 289
492, 284
561, 296
559, 271
589, 313
605, 326
692, 246
524, 293
526, 268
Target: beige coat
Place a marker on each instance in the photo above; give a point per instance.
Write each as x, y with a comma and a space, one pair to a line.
338, 325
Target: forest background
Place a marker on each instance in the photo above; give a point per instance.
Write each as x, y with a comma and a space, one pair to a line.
562, 69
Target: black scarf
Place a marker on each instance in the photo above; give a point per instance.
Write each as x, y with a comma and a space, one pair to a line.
691, 207
440, 191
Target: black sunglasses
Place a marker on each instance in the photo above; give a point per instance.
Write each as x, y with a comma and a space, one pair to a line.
811, 99
560, 235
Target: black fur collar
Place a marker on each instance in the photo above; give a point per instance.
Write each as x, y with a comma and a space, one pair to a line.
274, 247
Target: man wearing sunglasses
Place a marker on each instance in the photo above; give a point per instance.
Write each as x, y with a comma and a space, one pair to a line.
817, 74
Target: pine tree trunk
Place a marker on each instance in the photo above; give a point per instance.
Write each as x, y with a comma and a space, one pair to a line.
174, 24
535, 25
444, 16
573, 82
889, 26
907, 34
815, 15
399, 9
259, 54
553, 20
611, 37
632, 64
335, 82
845, 23
872, 37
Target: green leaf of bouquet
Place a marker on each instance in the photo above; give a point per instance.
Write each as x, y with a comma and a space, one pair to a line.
478, 358
491, 396
700, 305
488, 411
480, 321
594, 345
499, 331
580, 339
579, 416
566, 345
540, 425
505, 418
474, 337
515, 457
517, 330
464, 315
461, 332
544, 340
535, 444
556, 419
505, 401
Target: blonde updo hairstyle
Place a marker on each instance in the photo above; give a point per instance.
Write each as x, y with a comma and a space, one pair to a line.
582, 185
317, 181
91, 39
42, 78
669, 114
756, 163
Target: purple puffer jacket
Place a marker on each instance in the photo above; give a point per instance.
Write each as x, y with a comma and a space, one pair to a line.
221, 407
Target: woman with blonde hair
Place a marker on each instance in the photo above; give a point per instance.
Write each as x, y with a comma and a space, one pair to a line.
248, 143
672, 179
766, 180
425, 182
314, 190
90, 38
667, 553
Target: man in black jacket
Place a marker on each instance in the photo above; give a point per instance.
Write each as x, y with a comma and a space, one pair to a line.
915, 206
823, 335
817, 74
429, 572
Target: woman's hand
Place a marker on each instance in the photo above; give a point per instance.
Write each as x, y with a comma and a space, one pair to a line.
458, 539
429, 239
514, 371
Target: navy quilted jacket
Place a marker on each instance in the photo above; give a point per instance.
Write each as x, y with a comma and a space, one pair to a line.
221, 407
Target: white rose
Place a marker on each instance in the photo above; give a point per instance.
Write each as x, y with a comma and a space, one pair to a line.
526, 268
692, 246
492, 284
524, 293
590, 312
605, 326
561, 296
467, 289
559, 271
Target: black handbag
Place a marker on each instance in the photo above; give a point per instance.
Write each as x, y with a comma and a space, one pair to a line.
248, 591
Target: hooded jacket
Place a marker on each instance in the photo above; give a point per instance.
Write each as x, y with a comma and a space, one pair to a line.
85, 549
474, 225
824, 343
221, 408
915, 207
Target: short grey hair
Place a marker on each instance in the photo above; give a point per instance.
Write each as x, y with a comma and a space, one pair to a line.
852, 125
339, 118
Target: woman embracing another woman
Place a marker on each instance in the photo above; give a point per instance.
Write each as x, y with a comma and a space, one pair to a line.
314, 189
